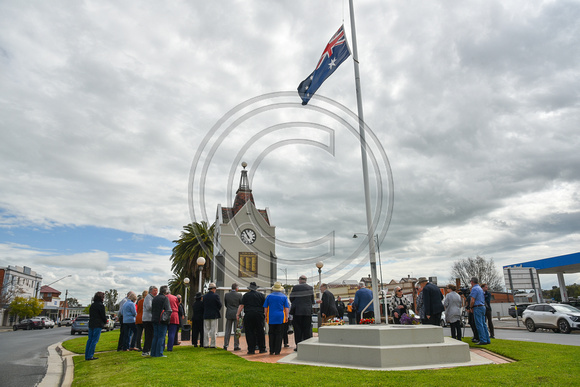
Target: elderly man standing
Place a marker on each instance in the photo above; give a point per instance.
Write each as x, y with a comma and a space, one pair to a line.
147, 323
362, 298
328, 308
211, 312
432, 302
232, 302
302, 299
478, 307
121, 326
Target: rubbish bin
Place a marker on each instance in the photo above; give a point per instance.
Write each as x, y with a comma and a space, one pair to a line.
186, 332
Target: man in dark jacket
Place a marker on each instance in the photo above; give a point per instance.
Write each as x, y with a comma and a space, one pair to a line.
211, 312
488, 316
302, 298
97, 320
253, 306
197, 321
340, 308
327, 304
432, 301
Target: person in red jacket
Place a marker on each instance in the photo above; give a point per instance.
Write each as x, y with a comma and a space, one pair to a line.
139, 321
173, 322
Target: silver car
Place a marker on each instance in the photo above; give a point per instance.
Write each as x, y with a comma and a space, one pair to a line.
48, 323
80, 324
557, 317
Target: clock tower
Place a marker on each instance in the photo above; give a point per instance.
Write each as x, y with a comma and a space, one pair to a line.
244, 241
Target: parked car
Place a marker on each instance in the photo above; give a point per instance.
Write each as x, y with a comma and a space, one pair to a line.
521, 308
48, 323
28, 324
110, 325
80, 324
66, 322
443, 323
557, 317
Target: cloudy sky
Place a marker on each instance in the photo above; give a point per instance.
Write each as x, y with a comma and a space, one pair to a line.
108, 109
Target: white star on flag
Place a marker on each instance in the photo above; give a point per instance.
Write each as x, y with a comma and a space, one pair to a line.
332, 63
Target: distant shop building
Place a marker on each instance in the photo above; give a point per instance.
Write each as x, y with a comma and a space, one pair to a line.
16, 281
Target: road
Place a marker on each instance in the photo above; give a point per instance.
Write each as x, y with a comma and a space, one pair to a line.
23, 354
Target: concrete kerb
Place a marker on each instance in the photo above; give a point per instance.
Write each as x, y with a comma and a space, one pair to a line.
60, 370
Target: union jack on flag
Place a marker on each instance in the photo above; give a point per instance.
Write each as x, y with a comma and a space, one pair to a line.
334, 54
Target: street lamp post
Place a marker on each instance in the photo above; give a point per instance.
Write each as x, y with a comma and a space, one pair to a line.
66, 295
66, 276
186, 282
200, 262
285, 270
379, 251
319, 265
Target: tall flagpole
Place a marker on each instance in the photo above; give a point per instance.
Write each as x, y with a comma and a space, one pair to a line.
363, 151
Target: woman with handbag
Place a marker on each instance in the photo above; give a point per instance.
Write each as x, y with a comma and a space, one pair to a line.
160, 316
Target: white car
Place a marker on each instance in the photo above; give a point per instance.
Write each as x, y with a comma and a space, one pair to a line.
110, 325
557, 317
48, 323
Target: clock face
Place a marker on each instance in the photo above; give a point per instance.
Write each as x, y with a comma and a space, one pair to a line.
248, 236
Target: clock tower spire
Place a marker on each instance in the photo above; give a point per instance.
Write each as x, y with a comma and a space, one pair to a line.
244, 193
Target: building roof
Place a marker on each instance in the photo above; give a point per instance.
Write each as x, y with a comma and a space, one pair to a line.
48, 289
569, 263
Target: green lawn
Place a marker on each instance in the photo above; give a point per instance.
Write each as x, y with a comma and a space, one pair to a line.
537, 364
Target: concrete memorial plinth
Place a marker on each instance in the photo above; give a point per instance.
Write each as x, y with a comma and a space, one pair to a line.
383, 347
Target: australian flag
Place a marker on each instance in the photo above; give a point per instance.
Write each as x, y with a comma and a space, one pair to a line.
334, 54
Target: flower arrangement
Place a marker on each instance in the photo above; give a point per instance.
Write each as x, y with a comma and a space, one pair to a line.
367, 321
409, 320
333, 321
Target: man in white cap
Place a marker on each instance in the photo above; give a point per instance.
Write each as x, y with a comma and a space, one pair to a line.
211, 312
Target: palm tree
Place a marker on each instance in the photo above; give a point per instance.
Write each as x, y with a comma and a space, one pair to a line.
177, 284
196, 241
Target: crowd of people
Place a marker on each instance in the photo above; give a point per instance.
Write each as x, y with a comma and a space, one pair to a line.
477, 303
140, 318
150, 322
